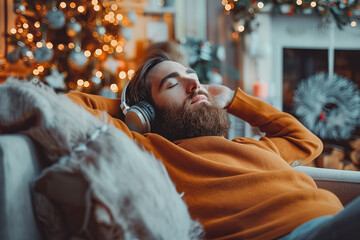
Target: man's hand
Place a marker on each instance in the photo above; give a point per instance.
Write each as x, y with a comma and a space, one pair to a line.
222, 94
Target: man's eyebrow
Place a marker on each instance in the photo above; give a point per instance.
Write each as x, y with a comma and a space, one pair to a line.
171, 75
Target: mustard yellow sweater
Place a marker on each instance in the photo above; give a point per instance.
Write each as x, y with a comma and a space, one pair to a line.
241, 188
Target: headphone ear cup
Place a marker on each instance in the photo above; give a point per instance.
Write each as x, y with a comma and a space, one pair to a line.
140, 117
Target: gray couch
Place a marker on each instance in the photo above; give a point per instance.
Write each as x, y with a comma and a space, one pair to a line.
19, 165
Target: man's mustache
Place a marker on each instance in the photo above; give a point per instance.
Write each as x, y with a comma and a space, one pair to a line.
194, 94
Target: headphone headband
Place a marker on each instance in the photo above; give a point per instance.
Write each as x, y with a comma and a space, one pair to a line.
124, 107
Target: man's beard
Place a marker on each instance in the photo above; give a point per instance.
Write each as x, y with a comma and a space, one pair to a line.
202, 119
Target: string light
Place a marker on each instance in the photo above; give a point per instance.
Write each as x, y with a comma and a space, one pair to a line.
86, 84
30, 36
37, 24
49, 45
107, 17
61, 47
81, 9
313, 4
96, 7
41, 68
80, 82
114, 7
260, 5
130, 73
20, 30
122, 75
106, 47
353, 23
63, 4
114, 87
25, 25
39, 44
119, 17
299, 2
235, 35
36, 72
73, 5
119, 49
241, 28
98, 74
87, 53
113, 43
98, 51
13, 31
94, 2
71, 45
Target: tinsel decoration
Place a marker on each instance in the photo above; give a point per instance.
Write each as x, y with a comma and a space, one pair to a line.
328, 106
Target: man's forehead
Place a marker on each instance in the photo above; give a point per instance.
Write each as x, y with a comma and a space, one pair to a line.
157, 71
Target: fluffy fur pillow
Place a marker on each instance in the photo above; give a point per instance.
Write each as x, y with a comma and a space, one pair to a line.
100, 184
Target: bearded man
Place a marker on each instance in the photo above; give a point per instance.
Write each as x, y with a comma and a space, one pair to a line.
238, 189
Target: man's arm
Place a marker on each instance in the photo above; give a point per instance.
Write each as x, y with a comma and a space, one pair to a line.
285, 135
97, 105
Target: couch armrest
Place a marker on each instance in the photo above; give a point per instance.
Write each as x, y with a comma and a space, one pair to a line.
19, 165
344, 184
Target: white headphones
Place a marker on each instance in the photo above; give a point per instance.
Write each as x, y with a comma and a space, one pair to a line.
139, 116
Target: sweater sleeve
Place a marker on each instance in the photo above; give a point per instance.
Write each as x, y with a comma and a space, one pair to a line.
285, 135
97, 105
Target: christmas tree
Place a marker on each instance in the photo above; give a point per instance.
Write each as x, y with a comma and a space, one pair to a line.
73, 45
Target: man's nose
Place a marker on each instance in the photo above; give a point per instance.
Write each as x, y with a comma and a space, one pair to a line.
192, 85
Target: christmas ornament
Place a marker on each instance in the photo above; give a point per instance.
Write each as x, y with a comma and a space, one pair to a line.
100, 30
328, 106
13, 56
73, 28
43, 54
111, 64
205, 51
220, 52
77, 59
96, 80
126, 32
55, 18
56, 79
106, 92
3, 63
214, 77
25, 53
131, 16
19, 8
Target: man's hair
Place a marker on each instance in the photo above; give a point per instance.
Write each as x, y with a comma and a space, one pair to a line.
138, 90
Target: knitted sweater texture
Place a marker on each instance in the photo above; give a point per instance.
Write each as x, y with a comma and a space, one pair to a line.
241, 188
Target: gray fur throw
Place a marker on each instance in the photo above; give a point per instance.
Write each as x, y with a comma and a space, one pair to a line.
98, 183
